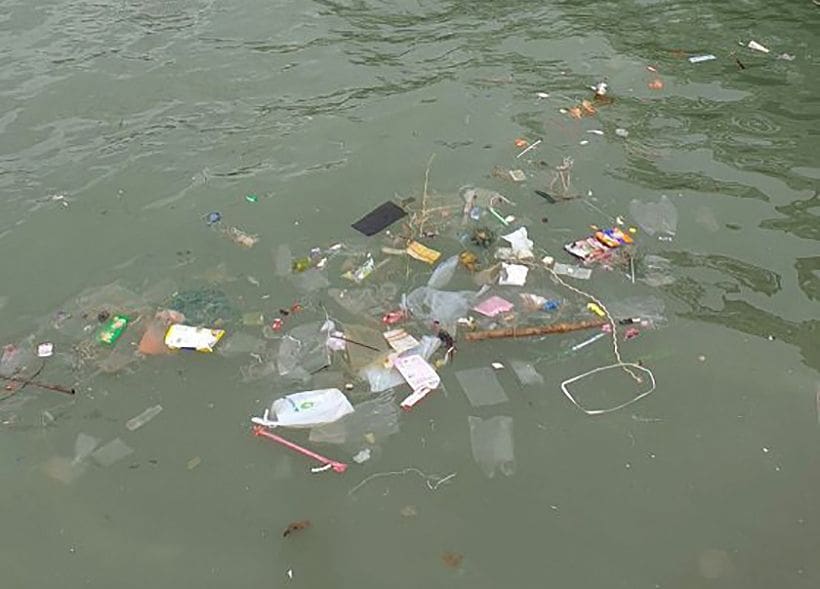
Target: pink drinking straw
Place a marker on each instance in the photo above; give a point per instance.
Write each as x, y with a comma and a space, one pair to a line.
336, 466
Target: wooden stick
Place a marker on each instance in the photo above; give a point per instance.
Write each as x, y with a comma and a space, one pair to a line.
513, 332
424, 194
354, 342
42, 385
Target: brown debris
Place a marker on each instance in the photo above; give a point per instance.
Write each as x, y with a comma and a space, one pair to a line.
452, 559
296, 527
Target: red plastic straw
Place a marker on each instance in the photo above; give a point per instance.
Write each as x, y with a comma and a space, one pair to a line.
336, 466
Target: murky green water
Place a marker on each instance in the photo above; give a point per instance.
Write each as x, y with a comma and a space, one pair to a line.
122, 124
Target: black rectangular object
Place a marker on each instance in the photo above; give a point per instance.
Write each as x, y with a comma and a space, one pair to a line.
545, 196
379, 218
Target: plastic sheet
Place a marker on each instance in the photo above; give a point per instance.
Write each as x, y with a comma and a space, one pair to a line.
655, 217
372, 422
572, 271
240, 344
359, 356
303, 350
481, 386
310, 280
651, 310
492, 444
657, 271
112, 452
283, 260
443, 273
84, 445
526, 373
263, 367
365, 301
430, 304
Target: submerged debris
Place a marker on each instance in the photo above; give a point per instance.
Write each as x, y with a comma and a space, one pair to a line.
296, 527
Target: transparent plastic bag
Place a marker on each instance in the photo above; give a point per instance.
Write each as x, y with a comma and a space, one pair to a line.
492, 444
430, 304
655, 217
481, 386
303, 350
526, 373
372, 422
657, 271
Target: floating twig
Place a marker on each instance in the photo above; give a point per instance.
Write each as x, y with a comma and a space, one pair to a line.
42, 385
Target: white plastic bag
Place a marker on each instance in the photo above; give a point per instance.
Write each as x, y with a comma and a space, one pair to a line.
306, 409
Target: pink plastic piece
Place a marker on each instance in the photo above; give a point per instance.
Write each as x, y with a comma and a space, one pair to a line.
336, 466
494, 306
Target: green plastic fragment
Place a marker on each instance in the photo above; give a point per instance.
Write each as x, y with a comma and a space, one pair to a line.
111, 330
301, 265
